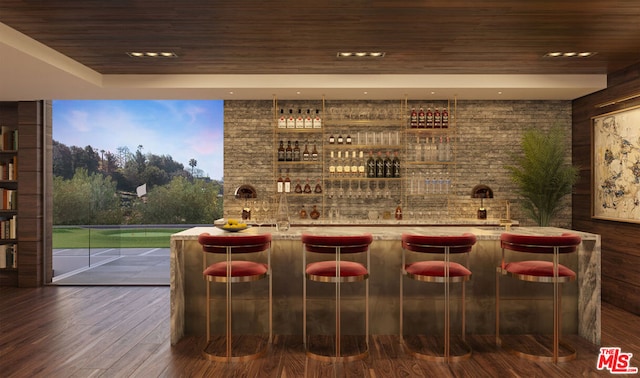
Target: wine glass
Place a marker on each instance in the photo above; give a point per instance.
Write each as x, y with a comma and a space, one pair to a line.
265, 212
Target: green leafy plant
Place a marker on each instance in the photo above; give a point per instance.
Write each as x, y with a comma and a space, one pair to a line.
542, 175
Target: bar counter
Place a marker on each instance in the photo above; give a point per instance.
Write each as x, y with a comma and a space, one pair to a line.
525, 308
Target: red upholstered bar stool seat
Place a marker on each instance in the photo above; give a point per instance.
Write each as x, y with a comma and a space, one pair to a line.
342, 267
443, 271
540, 270
230, 269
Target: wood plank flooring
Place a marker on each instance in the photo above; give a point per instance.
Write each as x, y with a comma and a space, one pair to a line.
71, 331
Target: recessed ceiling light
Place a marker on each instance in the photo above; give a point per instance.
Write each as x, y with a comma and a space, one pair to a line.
361, 54
569, 54
152, 54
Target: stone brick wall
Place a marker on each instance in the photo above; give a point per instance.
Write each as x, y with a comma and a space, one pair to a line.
486, 133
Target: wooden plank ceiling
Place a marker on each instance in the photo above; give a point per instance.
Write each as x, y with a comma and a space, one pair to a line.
303, 37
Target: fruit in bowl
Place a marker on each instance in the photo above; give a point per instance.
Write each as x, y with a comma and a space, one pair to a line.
233, 225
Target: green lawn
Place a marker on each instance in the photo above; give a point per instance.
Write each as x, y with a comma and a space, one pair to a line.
76, 237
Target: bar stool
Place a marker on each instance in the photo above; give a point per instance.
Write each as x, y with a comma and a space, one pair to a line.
231, 271
542, 271
336, 271
439, 271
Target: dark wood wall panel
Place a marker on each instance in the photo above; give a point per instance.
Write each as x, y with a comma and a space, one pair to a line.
620, 241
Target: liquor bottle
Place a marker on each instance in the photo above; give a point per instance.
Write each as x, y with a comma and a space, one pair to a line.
388, 166
395, 163
332, 165
318, 188
398, 213
296, 151
332, 139
298, 188
413, 118
429, 119
281, 153
303, 213
361, 167
346, 169
339, 167
418, 156
308, 120
437, 119
348, 139
282, 121
422, 119
447, 150
287, 183
291, 120
280, 184
314, 153
306, 156
300, 120
340, 139
379, 165
317, 121
371, 166
354, 164
445, 118
307, 187
441, 150
288, 152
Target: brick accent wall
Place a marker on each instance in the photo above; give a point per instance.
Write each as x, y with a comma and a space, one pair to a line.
486, 134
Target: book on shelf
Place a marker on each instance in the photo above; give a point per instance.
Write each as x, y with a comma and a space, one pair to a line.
9, 169
8, 227
8, 139
9, 199
8, 256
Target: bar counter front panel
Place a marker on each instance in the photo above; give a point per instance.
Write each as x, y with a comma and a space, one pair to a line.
525, 307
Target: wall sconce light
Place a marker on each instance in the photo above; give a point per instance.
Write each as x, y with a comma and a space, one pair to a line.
481, 191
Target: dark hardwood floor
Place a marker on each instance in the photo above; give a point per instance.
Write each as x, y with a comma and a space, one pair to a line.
124, 332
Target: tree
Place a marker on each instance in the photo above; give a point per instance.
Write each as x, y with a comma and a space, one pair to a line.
192, 164
85, 199
182, 201
62, 161
542, 175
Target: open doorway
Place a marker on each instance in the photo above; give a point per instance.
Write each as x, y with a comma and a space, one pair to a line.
127, 175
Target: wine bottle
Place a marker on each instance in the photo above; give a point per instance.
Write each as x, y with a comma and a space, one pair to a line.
318, 188
379, 165
354, 164
445, 118
396, 165
282, 121
298, 188
413, 118
332, 139
441, 150
314, 153
300, 120
418, 155
288, 152
340, 139
296, 151
422, 119
287, 183
398, 213
281, 153
307, 187
315, 214
339, 167
388, 166
371, 166
291, 120
317, 121
280, 184
303, 213
306, 156
348, 139
437, 119
361, 167
346, 169
429, 119
308, 120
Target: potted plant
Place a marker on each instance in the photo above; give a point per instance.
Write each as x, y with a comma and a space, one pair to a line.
542, 174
